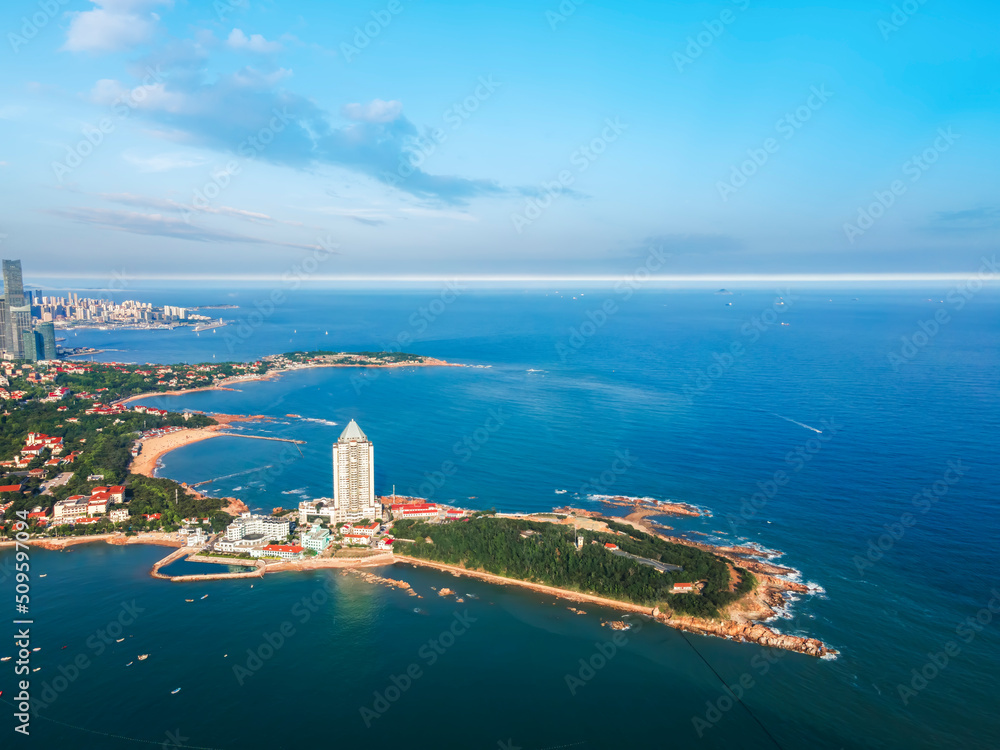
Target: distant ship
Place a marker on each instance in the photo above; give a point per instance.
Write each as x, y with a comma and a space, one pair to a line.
175, 691
209, 326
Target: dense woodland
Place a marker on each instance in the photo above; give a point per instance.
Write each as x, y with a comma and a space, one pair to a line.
549, 555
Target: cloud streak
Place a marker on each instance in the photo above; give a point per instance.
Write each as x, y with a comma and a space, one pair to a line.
158, 225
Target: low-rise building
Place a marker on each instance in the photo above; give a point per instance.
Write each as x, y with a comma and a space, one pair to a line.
284, 551
249, 524
73, 507
358, 539
415, 510
118, 515
316, 539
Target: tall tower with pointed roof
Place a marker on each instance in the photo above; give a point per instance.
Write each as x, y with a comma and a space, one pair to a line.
354, 475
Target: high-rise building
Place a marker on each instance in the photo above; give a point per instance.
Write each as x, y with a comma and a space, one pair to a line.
31, 343
354, 475
48, 333
15, 316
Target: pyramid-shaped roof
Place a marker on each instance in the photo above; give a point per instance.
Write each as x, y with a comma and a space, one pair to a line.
353, 432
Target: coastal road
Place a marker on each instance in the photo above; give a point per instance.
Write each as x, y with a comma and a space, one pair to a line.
662, 567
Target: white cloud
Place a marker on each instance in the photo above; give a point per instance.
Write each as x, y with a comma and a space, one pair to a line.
375, 111
112, 26
153, 97
254, 43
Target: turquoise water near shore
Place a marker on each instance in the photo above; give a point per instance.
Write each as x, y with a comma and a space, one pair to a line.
652, 383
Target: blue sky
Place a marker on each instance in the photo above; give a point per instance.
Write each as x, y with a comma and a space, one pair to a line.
443, 138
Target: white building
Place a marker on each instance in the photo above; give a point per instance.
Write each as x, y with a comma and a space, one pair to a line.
72, 507
284, 551
316, 539
248, 524
119, 514
354, 476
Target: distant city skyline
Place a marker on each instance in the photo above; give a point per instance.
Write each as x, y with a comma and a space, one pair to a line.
394, 140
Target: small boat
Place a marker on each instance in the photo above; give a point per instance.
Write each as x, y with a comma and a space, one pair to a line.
43, 575
175, 691
36, 669
205, 597
64, 648
37, 648
142, 657
7, 658
189, 600
119, 640
130, 664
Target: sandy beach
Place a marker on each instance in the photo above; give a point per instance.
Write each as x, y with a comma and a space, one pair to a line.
154, 448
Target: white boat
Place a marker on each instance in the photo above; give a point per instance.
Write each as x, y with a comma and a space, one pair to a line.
205, 597
43, 575
130, 664
175, 691
142, 657
119, 640
7, 658
37, 648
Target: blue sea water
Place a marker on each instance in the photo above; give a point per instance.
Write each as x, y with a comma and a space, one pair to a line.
690, 399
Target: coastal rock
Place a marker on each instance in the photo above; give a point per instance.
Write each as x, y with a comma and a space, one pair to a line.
234, 507
445, 592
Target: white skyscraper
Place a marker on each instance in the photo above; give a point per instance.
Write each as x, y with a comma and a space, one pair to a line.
354, 475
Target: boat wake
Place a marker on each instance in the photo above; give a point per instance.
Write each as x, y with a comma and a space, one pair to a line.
800, 424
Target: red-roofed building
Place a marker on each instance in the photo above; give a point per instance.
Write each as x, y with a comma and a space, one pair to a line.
609, 545
682, 588
11, 487
284, 551
415, 510
385, 543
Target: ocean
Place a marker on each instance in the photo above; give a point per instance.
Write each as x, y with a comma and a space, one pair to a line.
839, 427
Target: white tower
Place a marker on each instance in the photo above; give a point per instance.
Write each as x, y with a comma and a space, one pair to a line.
354, 476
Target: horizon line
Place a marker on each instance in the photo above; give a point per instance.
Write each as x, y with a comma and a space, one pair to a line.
120, 276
